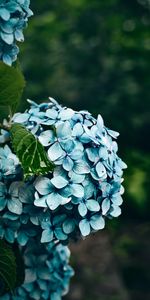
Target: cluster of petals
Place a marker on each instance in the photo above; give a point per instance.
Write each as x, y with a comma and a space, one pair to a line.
86, 185
14, 16
47, 273
74, 200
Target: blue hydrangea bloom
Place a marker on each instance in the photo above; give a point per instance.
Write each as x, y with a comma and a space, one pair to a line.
47, 272
84, 189
14, 16
86, 185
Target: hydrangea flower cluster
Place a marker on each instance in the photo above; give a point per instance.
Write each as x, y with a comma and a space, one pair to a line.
14, 16
47, 273
74, 200
85, 186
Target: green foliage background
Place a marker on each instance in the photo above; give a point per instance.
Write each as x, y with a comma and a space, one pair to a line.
94, 55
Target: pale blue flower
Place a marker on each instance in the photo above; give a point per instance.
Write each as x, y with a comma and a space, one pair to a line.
14, 16
87, 203
9, 163
52, 230
57, 148
111, 198
51, 191
88, 224
58, 116
79, 133
8, 229
73, 153
25, 233
10, 198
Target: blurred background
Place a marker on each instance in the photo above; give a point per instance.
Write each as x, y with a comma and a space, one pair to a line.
95, 55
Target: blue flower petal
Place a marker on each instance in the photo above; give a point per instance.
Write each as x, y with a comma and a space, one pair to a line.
60, 235
43, 285
85, 139
4, 13
43, 185
26, 193
92, 205
30, 275
91, 135
77, 130
115, 211
105, 206
46, 137
35, 294
2, 203
47, 236
51, 113
66, 114
54, 200
22, 238
8, 215
15, 206
77, 190
59, 182
121, 163
58, 219
112, 133
68, 226
100, 169
116, 199
21, 118
43, 273
80, 167
55, 296
92, 154
97, 222
55, 152
63, 131
68, 146
14, 188
82, 209
46, 224
66, 191
103, 153
105, 188
89, 190
9, 235
65, 200
68, 163
84, 227
76, 178
40, 202
76, 154
100, 123
3, 189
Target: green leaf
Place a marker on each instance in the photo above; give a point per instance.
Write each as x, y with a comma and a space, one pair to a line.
8, 268
11, 87
30, 152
